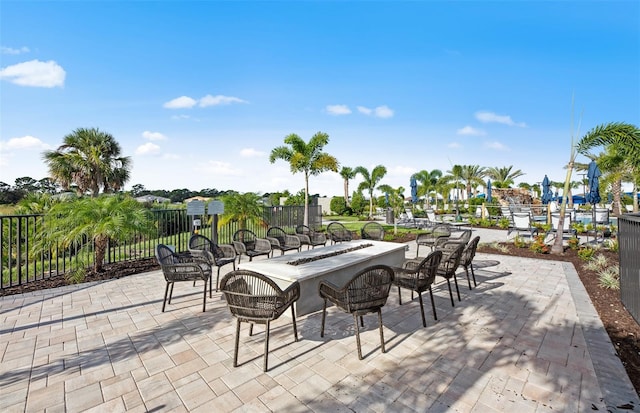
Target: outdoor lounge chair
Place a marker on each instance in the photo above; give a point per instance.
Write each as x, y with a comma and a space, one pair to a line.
247, 243
254, 298
601, 224
309, 237
338, 233
176, 268
366, 292
282, 241
430, 238
523, 222
418, 276
567, 229
372, 230
218, 255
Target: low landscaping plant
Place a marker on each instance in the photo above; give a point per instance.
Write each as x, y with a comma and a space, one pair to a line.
519, 242
610, 278
538, 246
586, 253
574, 243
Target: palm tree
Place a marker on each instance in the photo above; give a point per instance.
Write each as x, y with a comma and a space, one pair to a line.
453, 178
347, 173
503, 177
243, 208
93, 222
622, 146
370, 182
472, 176
396, 200
427, 182
90, 159
307, 158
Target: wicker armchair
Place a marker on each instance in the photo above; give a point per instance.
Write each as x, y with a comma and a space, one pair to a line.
435, 235
448, 266
247, 243
338, 233
366, 292
309, 237
218, 255
177, 268
282, 241
256, 299
372, 230
418, 276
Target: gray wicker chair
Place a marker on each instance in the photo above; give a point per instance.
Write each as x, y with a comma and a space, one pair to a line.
247, 243
176, 268
418, 276
309, 237
372, 230
282, 241
366, 292
448, 266
338, 233
216, 255
468, 254
254, 298
435, 235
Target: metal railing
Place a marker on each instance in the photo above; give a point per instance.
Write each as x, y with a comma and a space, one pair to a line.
21, 263
629, 250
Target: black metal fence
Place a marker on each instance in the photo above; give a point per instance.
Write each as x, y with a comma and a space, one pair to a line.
21, 263
629, 243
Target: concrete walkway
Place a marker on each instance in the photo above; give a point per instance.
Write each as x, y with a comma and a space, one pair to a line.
526, 339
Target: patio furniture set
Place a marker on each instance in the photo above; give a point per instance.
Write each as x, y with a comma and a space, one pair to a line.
256, 298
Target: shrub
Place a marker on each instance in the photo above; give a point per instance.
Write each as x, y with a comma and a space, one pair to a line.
586, 253
338, 205
503, 223
485, 223
519, 242
612, 244
538, 246
574, 243
610, 278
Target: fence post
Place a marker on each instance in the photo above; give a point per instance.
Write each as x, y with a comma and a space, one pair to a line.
629, 250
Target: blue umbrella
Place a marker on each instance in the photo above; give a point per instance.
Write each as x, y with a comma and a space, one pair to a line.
593, 175
547, 195
488, 198
414, 189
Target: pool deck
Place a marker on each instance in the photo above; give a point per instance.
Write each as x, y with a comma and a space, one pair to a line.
526, 339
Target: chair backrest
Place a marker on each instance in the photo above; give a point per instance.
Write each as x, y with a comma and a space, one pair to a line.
199, 244
277, 233
469, 251
165, 255
369, 288
555, 221
441, 230
428, 267
450, 263
521, 220
303, 230
602, 216
409, 214
465, 237
338, 232
247, 237
431, 215
250, 295
372, 230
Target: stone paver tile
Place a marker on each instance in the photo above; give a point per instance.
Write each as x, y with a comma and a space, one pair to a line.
117, 386
154, 386
113, 406
250, 390
195, 393
84, 398
40, 399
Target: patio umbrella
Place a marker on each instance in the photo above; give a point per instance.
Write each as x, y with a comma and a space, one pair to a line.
547, 195
593, 196
488, 198
414, 189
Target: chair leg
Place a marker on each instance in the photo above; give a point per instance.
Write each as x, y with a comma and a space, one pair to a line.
266, 345
293, 318
399, 296
324, 315
450, 293
166, 291
218, 279
417, 250
355, 319
250, 329
204, 296
381, 333
361, 321
433, 304
424, 321
235, 347
466, 270
455, 281
474, 275
210, 284
170, 293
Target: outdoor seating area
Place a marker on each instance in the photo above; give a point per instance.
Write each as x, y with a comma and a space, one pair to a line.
134, 356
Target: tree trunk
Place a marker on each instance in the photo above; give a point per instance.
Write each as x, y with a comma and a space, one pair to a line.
634, 193
305, 220
100, 245
616, 190
558, 247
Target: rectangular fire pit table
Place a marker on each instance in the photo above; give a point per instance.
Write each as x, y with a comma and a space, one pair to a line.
334, 263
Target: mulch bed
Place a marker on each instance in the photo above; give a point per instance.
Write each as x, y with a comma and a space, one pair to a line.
623, 330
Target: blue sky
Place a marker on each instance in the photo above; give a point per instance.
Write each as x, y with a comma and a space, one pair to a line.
198, 93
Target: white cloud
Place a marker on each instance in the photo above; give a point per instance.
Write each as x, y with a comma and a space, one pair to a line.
26, 142
153, 136
183, 102
383, 112
180, 117
468, 130
148, 149
251, 153
338, 109
364, 110
496, 145
490, 117
219, 168
454, 145
219, 100
35, 73
10, 50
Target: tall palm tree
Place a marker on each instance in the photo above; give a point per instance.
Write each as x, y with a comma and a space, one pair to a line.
454, 178
427, 182
90, 159
306, 157
503, 177
243, 208
370, 182
396, 201
472, 176
347, 173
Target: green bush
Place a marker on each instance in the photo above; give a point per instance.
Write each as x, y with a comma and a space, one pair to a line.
586, 253
338, 205
503, 222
